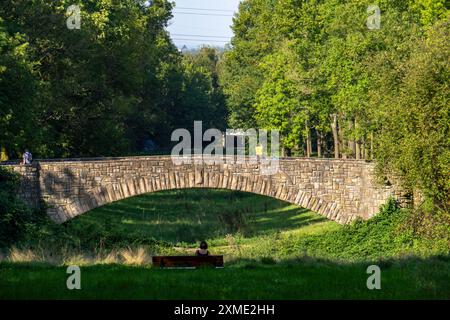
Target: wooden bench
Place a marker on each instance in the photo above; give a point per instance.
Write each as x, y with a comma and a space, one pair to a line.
187, 262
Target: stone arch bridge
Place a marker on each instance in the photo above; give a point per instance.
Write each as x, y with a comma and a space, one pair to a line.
340, 190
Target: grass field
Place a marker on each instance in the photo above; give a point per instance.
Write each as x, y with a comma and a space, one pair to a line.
291, 280
273, 250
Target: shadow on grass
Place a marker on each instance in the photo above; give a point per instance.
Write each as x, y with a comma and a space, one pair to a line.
188, 216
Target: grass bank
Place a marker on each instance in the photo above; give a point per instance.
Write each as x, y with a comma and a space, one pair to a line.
272, 250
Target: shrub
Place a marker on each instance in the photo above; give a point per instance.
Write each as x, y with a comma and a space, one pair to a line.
17, 220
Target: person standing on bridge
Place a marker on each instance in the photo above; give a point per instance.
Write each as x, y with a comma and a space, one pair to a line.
27, 157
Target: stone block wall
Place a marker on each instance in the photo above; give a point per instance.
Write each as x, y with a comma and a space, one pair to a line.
341, 190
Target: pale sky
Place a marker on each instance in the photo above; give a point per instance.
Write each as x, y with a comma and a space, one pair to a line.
202, 22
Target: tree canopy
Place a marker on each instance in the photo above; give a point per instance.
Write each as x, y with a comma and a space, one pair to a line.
100, 90
335, 87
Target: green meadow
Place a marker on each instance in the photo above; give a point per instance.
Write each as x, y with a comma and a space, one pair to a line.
272, 250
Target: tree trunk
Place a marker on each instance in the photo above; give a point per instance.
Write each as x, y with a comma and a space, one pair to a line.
364, 149
319, 144
308, 141
371, 146
351, 141
343, 142
358, 141
334, 128
358, 150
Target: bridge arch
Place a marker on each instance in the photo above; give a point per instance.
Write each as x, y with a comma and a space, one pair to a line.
103, 195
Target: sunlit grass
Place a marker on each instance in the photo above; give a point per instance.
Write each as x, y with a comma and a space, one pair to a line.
184, 217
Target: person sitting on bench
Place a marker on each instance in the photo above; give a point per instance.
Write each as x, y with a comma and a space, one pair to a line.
203, 251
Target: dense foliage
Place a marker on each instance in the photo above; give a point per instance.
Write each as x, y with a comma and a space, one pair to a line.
335, 87
101, 90
389, 234
18, 223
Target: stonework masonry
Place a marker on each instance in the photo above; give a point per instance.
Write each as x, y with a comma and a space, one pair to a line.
340, 190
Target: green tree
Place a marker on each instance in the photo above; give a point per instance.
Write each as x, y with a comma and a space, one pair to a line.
17, 94
240, 76
414, 138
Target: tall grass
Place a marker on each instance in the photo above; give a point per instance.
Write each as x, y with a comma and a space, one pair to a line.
136, 257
